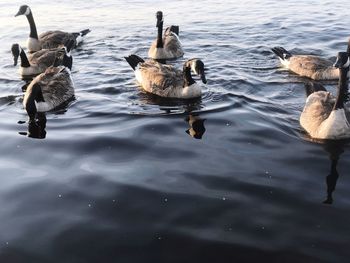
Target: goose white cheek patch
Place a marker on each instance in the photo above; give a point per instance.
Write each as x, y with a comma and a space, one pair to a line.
27, 11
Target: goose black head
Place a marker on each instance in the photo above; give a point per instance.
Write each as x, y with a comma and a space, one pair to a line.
174, 29
23, 10
16, 50
197, 67
159, 16
342, 60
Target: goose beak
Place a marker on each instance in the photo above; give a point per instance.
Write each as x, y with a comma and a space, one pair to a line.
18, 13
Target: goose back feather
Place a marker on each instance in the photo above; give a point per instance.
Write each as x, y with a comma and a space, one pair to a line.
165, 80
309, 66
56, 87
325, 116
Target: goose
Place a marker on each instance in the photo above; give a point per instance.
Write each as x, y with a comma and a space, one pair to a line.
49, 39
167, 81
309, 66
325, 116
169, 46
39, 61
48, 90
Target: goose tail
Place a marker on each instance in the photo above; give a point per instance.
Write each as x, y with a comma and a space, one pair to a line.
283, 54
134, 60
84, 32
174, 29
79, 36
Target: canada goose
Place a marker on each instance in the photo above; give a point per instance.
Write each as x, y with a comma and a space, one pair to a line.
167, 47
309, 66
39, 61
48, 90
49, 39
167, 81
325, 116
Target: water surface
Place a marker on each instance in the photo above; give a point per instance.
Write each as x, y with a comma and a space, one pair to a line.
118, 177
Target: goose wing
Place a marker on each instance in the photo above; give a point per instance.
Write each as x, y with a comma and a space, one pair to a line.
56, 85
53, 39
172, 44
45, 58
311, 63
160, 77
313, 67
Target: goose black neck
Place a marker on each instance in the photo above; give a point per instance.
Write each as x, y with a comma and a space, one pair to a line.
188, 80
33, 33
331, 181
160, 35
35, 95
342, 94
24, 60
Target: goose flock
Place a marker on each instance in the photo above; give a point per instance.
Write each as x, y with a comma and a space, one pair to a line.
48, 64
49, 61
324, 116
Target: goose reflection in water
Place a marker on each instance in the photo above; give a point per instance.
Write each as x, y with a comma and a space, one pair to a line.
335, 149
36, 128
197, 128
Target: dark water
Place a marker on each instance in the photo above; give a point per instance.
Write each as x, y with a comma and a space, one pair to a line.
119, 179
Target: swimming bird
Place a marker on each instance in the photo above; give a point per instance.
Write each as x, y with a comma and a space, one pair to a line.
169, 46
325, 116
49, 39
167, 81
39, 61
310, 66
48, 90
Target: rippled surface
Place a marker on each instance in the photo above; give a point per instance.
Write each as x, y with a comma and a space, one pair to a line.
118, 178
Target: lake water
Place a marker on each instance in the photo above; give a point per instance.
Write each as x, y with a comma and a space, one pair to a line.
118, 178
